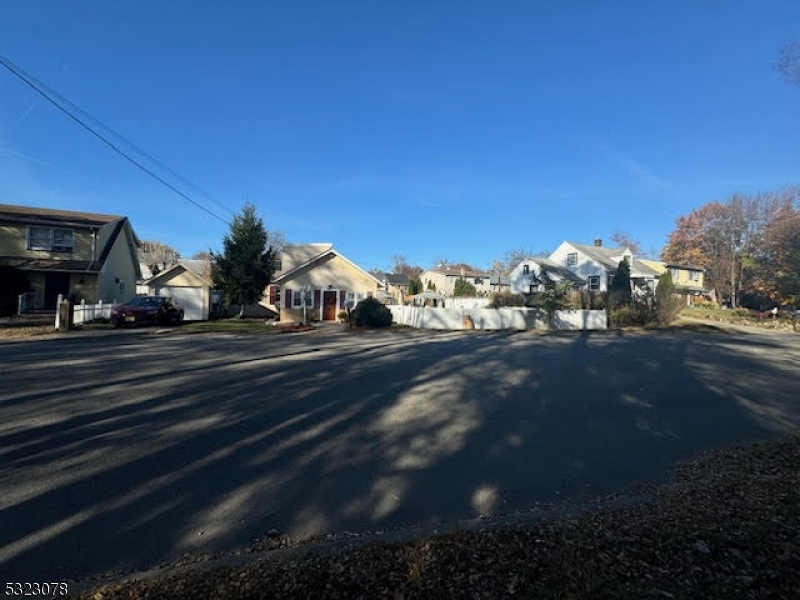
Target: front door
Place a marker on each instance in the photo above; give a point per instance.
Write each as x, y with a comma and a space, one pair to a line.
55, 284
329, 306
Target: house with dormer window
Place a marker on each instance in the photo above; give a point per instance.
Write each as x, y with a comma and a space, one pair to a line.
597, 264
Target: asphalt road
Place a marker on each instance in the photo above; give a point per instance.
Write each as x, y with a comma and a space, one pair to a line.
123, 450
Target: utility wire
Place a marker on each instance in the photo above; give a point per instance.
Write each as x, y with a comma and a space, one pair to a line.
46, 93
127, 141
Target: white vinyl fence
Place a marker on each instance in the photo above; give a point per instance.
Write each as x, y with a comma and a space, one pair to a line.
84, 313
496, 318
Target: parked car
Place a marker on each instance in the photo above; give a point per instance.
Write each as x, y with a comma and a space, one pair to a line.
147, 310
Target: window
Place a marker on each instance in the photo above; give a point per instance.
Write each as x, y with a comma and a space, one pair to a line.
296, 300
121, 286
536, 287
38, 238
674, 274
51, 240
526, 269
694, 275
594, 283
478, 281
277, 295
62, 240
572, 259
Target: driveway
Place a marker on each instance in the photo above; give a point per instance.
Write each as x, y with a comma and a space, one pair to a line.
121, 451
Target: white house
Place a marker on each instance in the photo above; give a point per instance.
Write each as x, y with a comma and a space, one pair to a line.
523, 277
597, 265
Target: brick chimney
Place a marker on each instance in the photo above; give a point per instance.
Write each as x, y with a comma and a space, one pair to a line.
598, 242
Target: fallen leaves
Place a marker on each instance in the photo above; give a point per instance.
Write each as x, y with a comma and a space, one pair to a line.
729, 527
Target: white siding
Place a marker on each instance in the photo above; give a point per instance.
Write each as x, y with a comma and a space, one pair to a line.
191, 300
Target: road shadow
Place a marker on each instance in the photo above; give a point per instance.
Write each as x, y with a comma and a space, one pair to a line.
202, 443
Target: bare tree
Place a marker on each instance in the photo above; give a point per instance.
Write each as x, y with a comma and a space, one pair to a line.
400, 265
622, 238
202, 255
513, 257
157, 256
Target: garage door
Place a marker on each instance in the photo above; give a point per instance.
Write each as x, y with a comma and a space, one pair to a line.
190, 298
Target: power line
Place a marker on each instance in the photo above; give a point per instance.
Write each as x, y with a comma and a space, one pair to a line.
46, 93
139, 150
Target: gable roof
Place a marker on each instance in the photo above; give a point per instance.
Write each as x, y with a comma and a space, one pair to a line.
657, 265
329, 251
302, 253
640, 268
32, 214
197, 266
66, 218
600, 254
555, 268
180, 267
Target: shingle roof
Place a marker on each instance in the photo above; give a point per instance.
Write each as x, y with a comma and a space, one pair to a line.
556, 269
298, 254
503, 280
13, 211
642, 269
196, 266
457, 273
599, 254
397, 278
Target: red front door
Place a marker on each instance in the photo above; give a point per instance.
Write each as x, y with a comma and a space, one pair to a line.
329, 306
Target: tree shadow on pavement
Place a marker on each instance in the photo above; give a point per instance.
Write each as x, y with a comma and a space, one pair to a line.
228, 438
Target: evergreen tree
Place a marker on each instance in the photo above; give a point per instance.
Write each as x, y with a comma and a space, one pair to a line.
619, 292
668, 305
244, 269
463, 287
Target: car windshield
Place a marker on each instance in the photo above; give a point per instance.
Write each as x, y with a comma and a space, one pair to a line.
147, 301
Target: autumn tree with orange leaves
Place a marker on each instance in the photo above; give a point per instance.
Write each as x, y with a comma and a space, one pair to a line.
744, 243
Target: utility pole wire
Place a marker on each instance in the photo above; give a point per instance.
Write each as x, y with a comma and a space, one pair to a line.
118, 135
37, 86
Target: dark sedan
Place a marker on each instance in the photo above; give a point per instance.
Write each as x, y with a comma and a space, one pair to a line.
147, 310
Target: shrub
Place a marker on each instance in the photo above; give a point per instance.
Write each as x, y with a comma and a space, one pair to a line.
756, 301
342, 315
635, 313
506, 298
592, 300
463, 287
668, 305
371, 313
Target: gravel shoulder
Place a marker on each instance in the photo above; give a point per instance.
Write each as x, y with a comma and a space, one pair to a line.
727, 526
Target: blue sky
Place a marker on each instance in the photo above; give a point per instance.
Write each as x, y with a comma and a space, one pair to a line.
448, 129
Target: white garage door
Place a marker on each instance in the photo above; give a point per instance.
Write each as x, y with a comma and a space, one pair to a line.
190, 298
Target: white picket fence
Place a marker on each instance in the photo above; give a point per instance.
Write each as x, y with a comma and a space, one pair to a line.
496, 318
85, 313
